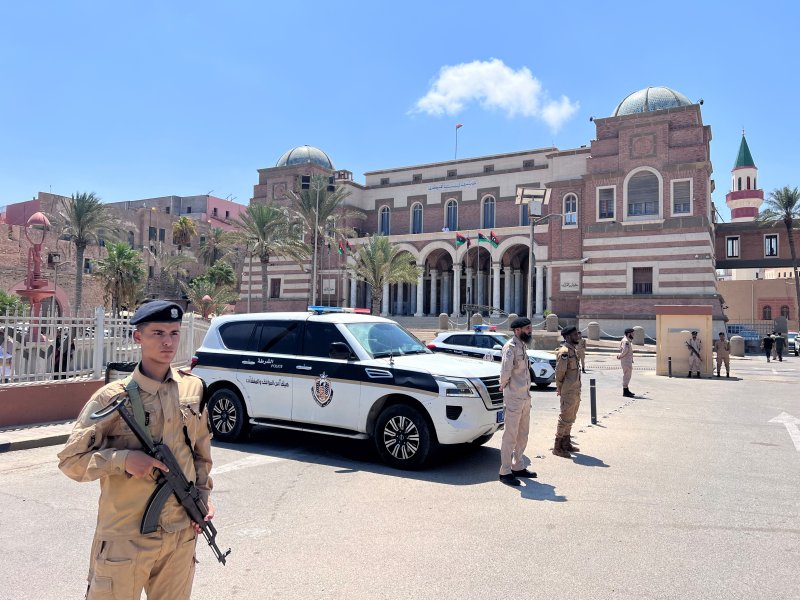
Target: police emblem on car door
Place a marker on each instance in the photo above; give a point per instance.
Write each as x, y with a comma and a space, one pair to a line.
322, 390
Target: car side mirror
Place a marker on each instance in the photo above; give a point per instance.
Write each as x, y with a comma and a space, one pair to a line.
340, 351
497, 347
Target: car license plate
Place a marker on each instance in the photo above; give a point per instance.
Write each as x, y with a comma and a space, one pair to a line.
501, 416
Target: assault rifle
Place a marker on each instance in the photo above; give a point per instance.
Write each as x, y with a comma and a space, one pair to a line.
172, 482
694, 351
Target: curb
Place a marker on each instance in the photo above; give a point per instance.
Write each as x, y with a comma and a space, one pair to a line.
51, 440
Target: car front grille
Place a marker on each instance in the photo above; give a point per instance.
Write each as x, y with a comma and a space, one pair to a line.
552, 362
492, 385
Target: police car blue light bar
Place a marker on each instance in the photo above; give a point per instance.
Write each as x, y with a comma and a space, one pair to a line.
480, 328
338, 309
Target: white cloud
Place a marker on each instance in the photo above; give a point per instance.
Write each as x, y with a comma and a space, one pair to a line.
496, 86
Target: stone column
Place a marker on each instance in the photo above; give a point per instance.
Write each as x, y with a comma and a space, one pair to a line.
446, 291
539, 290
412, 299
518, 292
456, 290
420, 296
353, 292
470, 299
399, 299
508, 280
385, 303
496, 285
434, 284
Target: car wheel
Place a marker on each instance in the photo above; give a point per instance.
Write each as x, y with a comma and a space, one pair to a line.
403, 437
227, 415
542, 386
482, 440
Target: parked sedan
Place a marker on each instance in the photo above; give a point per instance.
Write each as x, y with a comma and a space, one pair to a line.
487, 346
791, 343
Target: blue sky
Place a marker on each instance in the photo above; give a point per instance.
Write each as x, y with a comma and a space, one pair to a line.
134, 100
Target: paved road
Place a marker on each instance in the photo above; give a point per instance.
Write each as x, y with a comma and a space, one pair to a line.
689, 492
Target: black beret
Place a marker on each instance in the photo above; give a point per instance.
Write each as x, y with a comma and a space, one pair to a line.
520, 322
158, 311
629, 330
568, 330
694, 332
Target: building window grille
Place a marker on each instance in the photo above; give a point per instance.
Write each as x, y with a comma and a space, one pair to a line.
451, 217
766, 313
570, 209
488, 211
162, 235
524, 215
732, 247
384, 220
785, 311
488, 168
416, 218
416, 178
452, 172
681, 197
528, 164
384, 181
605, 203
275, 287
643, 195
642, 280
151, 234
771, 245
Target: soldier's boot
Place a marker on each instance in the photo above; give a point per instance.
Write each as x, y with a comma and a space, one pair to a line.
558, 448
689, 375
698, 374
566, 444
627, 393
717, 372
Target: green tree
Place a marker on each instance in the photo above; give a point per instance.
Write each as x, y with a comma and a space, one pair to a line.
332, 220
84, 219
783, 206
221, 274
267, 230
215, 246
378, 262
10, 303
122, 273
209, 297
183, 230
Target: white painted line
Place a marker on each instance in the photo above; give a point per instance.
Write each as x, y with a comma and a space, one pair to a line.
791, 426
256, 460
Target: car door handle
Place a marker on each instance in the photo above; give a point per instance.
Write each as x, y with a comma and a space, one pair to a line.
303, 367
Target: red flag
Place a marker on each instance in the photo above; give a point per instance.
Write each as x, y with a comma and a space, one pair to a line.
459, 126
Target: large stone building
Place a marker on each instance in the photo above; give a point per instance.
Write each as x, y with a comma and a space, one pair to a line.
632, 224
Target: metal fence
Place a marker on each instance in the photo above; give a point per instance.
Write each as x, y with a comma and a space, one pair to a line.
45, 348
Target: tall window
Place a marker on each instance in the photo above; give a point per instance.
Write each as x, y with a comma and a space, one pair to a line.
416, 218
451, 215
151, 234
384, 220
766, 313
748, 182
488, 211
681, 197
275, 287
524, 215
771, 245
642, 280
732, 247
605, 203
570, 209
643, 195
739, 184
785, 311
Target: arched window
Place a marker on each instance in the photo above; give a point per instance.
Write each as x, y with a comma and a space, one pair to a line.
644, 194
524, 215
766, 313
748, 182
416, 218
130, 239
384, 224
570, 209
785, 311
451, 215
739, 184
755, 187
488, 212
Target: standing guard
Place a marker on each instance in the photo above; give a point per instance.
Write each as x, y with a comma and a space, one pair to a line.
568, 387
723, 349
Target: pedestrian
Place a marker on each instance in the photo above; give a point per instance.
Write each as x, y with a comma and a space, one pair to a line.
6, 358
766, 345
774, 354
695, 348
123, 562
723, 349
780, 343
568, 387
515, 383
581, 349
625, 358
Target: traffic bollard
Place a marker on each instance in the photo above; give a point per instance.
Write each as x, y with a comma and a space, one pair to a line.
593, 400
669, 365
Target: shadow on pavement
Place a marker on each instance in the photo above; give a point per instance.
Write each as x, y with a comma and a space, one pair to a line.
588, 461
460, 464
534, 490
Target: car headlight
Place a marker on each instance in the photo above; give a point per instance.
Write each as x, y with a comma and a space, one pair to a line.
457, 387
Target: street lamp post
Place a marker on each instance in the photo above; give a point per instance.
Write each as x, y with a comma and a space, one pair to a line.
56, 260
535, 198
318, 187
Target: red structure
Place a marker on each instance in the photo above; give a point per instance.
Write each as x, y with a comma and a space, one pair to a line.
36, 286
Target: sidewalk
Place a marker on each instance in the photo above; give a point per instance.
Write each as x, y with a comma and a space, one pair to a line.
34, 436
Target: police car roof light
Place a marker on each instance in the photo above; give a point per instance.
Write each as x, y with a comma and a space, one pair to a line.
338, 309
480, 328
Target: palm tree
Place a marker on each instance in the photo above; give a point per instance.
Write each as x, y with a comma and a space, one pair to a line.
331, 219
183, 230
208, 296
84, 218
221, 274
122, 273
267, 231
783, 206
215, 247
378, 262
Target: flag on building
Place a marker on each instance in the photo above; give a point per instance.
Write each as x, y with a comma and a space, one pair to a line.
341, 248
493, 239
482, 238
459, 126
460, 239
347, 245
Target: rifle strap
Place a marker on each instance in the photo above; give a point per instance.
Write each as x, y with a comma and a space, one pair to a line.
132, 388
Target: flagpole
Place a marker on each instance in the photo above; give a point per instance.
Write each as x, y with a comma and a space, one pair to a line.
478, 300
455, 154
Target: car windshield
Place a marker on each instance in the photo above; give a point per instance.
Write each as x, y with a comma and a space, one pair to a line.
501, 339
386, 339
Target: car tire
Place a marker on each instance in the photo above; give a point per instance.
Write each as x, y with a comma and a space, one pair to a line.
403, 437
482, 440
227, 415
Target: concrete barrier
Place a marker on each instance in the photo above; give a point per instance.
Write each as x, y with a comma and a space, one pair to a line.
638, 335
551, 322
476, 320
444, 321
737, 345
594, 330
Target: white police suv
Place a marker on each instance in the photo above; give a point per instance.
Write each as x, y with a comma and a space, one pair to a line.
345, 374
485, 344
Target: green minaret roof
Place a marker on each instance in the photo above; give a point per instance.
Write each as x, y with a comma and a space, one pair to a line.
744, 159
